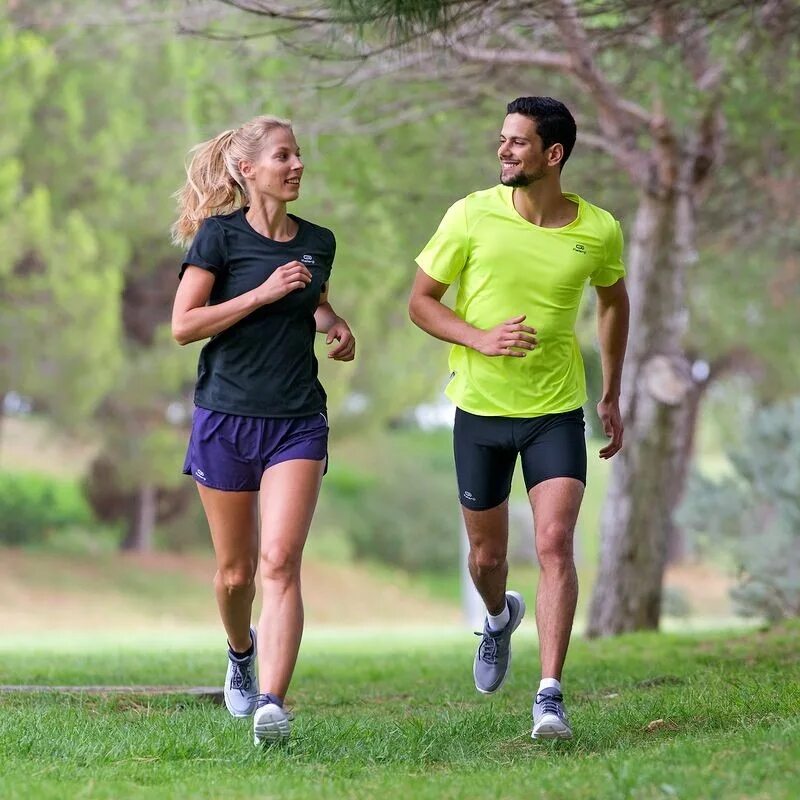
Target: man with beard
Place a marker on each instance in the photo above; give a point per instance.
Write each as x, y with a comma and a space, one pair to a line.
522, 252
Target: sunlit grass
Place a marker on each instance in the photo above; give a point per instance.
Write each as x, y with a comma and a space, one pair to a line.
396, 715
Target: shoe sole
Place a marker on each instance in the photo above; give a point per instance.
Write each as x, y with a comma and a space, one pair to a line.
499, 686
551, 729
244, 714
273, 725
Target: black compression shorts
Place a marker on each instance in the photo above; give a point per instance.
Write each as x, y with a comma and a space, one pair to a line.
486, 450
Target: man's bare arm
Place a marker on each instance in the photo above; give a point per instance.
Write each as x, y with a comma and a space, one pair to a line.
425, 307
613, 313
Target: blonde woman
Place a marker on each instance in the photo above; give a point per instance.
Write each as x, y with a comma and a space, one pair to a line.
254, 282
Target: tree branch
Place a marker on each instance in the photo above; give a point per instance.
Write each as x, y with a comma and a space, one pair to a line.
519, 58
599, 142
620, 118
288, 12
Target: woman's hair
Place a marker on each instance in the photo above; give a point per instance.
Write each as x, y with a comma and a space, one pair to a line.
214, 184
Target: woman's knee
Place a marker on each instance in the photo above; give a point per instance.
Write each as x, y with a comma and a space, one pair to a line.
237, 577
280, 564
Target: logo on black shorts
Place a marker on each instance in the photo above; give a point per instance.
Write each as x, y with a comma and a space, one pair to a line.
469, 496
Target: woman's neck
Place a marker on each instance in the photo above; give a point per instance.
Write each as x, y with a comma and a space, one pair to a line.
270, 219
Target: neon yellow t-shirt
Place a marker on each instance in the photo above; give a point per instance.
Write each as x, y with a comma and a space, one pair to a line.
506, 266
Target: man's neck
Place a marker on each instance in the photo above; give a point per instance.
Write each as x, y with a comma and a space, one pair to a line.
542, 203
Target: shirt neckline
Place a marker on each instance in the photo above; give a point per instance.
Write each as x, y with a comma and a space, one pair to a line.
507, 193
277, 242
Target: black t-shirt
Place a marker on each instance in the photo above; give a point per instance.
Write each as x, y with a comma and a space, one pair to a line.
264, 365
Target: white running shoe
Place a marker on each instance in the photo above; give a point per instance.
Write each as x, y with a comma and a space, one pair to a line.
271, 721
549, 717
241, 682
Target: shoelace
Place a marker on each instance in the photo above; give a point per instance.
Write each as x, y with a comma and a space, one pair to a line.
550, 703
263, 699
240, 679
488, 648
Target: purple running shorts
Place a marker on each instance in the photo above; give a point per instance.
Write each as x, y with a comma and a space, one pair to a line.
231, 453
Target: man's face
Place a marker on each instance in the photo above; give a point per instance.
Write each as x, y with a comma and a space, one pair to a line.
522, 158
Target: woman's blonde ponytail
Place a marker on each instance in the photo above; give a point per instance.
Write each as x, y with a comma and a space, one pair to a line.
214, 184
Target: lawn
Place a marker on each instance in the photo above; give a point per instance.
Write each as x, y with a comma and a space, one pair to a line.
396, 715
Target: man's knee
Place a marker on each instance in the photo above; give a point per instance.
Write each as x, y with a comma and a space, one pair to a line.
487, 559
554, 545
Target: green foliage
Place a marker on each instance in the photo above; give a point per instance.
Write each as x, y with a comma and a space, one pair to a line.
403, 15
59, 290
754, 514
402, 512
744, 292
34, 508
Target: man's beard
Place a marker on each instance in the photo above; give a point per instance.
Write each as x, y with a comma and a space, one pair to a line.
521, 178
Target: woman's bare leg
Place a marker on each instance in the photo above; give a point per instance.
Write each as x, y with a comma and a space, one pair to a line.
233, 520
289, 493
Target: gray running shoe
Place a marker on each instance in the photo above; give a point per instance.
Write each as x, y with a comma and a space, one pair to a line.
272, 723
241, 683
494, 652
549, 717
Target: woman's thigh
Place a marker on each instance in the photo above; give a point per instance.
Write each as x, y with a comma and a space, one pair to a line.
289, 492
233, 521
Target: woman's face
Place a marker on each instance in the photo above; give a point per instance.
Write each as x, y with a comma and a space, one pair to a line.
277, 172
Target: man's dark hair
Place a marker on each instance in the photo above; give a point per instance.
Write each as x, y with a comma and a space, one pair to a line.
553, 121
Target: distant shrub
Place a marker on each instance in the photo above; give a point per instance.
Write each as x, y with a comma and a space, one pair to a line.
405, 514
33, 507
675, 602
754, 515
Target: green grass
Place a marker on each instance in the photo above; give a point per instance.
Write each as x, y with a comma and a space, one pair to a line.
395, 715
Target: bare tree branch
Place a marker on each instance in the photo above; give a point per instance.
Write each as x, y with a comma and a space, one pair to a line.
621, 118
222, 36
530, 58
599, 142
281, 11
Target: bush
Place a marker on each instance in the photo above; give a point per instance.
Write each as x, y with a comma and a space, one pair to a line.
34, 507
404, 514
675, 603
754, 515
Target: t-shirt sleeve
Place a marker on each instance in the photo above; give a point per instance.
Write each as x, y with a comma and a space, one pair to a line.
332, 246
447, 252
207, 249
613, 269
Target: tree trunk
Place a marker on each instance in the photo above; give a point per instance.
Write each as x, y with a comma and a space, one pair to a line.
2, 414
659, 411
676, 545
143, 521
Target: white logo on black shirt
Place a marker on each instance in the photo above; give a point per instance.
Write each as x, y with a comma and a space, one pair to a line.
307, 259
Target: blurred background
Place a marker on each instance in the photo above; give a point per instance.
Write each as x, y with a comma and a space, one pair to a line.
688, 132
